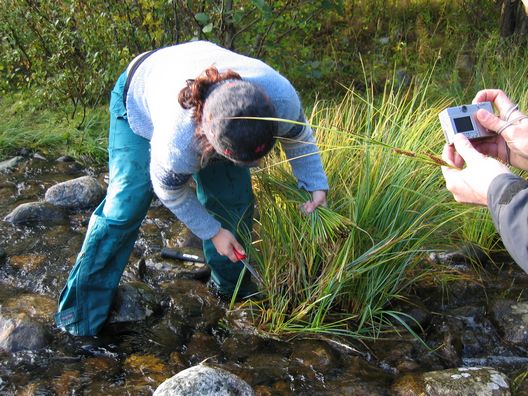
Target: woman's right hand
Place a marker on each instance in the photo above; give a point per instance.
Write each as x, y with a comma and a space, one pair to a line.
225, 243
515, 135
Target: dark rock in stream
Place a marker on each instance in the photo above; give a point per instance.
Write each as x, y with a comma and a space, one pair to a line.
134, 302
37, 213
315, 355
445, 337
80, 193
511, 317
192, 306
203, 380
19, 334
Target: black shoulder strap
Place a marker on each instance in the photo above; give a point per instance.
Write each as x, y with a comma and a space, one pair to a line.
133, 70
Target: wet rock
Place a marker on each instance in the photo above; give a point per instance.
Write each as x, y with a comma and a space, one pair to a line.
69, 382
27, 263
70, 168
202, 380
464, 255
186, 239
10, 163
39, 157
479, 335
19, 334
316, 355
34, 306
445, 337
135, 270
80, 193
358, 377
133, 302
100, 366
176, 362
192, 306
395, 354
145, 370
65, 158
481, 381
266, 367
32, 213
8, 191
511, 317
202, 346
149, 240
415, 314
241, 346
506, 362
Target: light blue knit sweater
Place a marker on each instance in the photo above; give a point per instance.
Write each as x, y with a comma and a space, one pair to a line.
154, 113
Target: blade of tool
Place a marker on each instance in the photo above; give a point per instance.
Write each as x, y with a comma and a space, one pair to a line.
243, 259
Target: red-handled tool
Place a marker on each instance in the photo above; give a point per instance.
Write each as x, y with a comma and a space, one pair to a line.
243, 259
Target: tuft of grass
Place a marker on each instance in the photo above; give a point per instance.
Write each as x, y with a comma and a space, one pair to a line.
338, 269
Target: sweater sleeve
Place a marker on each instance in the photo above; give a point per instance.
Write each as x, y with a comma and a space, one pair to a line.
171, 171
301, 149
508, 204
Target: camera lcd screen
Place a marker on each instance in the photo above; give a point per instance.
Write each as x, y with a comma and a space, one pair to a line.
463, 124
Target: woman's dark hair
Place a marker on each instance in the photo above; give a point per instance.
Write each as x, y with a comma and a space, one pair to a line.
193, 97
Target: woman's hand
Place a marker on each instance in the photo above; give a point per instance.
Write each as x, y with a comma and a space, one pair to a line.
471, 184
224, 242
514, 138
318, 199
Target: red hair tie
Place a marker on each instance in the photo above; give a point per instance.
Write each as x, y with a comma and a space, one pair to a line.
260, 148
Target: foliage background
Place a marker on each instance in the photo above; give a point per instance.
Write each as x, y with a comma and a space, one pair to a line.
71, 51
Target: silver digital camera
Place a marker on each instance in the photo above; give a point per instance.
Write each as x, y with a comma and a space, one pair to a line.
462, 119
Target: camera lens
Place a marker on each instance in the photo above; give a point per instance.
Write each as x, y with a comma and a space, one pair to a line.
464, 109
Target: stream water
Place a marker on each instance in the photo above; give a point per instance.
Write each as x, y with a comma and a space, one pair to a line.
178, 322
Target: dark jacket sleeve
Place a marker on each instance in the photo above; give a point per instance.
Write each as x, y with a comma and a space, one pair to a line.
508, 204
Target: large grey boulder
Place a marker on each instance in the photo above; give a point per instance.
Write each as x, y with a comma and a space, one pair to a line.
462, 381
10, 163
83, 192
202, 380
37, 213
21, 334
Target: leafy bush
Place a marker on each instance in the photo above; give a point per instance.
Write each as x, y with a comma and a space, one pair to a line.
71, 51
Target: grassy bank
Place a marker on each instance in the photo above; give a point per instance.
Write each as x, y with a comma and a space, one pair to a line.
25, 124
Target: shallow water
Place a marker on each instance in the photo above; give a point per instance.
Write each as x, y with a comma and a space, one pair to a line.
191, 325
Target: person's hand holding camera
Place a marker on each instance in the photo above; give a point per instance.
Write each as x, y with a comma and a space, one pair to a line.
469, 184
510, 145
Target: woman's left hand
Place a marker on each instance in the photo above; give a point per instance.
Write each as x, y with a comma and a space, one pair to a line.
318, 199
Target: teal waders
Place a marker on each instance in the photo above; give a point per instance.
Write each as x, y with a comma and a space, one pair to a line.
223, 188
